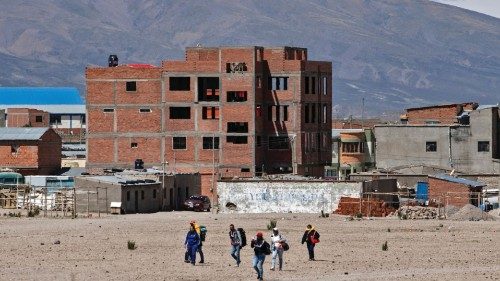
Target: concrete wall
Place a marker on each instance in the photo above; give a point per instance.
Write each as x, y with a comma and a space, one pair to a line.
87, 190
457, 146
2, 118
284, 196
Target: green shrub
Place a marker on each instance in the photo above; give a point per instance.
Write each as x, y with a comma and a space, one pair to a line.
272, 224
384, 246
131, 245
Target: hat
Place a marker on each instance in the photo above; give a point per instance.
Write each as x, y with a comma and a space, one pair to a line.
259, 234
275, 229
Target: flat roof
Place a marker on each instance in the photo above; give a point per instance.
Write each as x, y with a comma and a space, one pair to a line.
439, 105
22, 133
52, 109
458, 180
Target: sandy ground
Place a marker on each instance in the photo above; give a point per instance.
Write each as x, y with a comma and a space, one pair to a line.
96, 248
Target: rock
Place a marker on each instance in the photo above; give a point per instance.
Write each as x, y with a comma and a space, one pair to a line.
57, 242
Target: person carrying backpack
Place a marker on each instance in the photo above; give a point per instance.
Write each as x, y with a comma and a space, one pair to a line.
236, 243
199, 248
261, 249
277, 241
311, 238
192, 241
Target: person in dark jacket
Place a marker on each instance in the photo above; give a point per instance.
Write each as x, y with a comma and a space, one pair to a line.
235, 239
192, 241
311, 237
261, 248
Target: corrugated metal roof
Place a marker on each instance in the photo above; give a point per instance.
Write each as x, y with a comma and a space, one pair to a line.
22, 133
39, 95
449, 178
53, 109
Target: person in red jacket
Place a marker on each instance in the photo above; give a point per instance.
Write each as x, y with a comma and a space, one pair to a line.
311, 238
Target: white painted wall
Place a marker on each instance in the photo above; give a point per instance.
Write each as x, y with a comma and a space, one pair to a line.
284, 197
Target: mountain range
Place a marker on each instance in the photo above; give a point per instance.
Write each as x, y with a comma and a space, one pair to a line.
392, 54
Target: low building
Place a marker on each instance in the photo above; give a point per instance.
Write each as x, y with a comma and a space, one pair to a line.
472, 148
95, 194
448, 190
137, 191
30, 151
352, 152
65, 108
26, 117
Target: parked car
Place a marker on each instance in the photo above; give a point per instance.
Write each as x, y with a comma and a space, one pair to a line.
197, 203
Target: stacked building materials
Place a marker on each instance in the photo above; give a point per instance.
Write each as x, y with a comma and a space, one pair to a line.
366, 207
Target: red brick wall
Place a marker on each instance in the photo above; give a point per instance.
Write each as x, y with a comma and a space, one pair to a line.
445, 114
21, 117
33, 157
49, 153
27, 155
448, 193
100, 151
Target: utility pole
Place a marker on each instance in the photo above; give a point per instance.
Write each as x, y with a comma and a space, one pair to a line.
163, 164
362, 113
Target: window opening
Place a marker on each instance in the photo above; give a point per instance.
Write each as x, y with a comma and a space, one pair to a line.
179, 83
179, 142
180, 113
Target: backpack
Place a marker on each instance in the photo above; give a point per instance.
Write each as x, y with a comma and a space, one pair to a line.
243, 237
203, 232
267, 248
285, 246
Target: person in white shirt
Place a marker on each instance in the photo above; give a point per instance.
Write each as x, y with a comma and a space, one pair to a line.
277, 241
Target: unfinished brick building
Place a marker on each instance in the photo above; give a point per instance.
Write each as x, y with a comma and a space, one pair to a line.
228, 111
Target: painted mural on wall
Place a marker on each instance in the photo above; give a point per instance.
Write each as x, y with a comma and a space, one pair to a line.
283, 197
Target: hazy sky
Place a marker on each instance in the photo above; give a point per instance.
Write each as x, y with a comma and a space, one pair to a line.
489, 7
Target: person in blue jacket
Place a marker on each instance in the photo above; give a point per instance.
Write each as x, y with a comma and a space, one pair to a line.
191, 243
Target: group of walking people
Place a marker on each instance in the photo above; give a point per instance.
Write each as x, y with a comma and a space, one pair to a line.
261, 247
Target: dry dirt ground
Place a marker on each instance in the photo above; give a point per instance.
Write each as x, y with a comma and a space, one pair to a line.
96, 248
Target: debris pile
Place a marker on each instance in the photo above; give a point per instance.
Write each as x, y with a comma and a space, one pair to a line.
417, 213
471, 213
368, 208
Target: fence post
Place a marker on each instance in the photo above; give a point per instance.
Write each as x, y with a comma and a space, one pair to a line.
88, 201
97, 199
45, 212
74, 202
106, 195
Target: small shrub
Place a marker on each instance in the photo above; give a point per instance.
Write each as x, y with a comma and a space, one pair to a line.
384, 246
404, 217
324, 215
272, 224
388, 230
131, 245
31, 214
359, 215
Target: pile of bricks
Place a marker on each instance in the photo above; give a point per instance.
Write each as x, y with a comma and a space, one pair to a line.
367, 207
